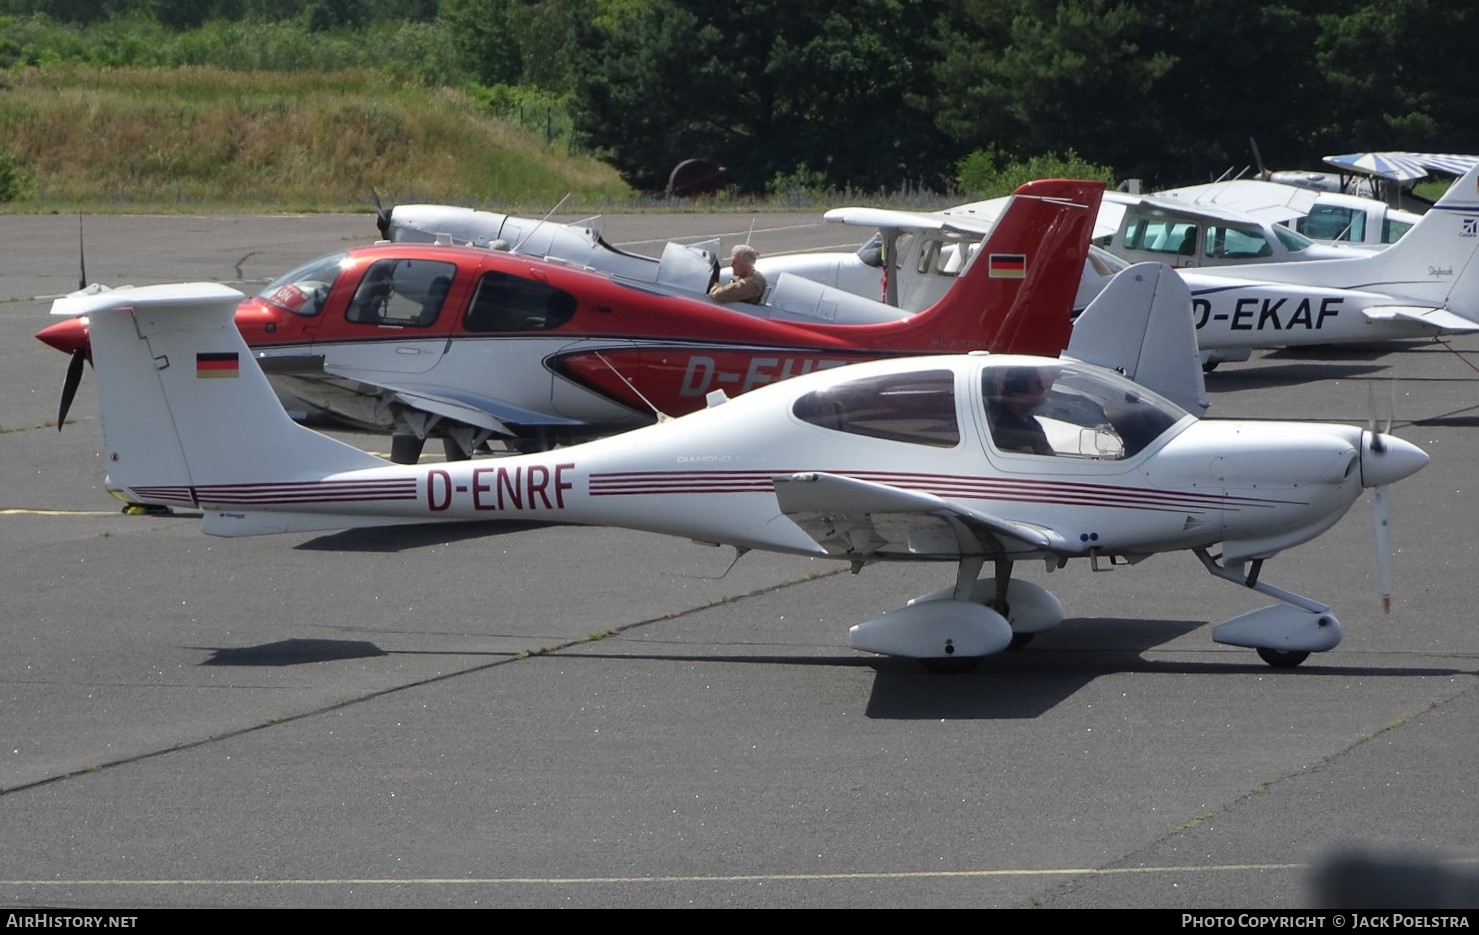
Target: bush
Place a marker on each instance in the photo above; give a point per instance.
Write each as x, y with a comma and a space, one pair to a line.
801, 186
988, 173
15, 179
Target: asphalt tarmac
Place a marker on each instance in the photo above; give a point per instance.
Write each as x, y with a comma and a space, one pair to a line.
566, 717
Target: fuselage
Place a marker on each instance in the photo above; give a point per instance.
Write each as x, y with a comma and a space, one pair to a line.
1130, 474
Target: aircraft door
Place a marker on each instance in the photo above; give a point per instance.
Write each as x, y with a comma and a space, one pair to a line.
401, 315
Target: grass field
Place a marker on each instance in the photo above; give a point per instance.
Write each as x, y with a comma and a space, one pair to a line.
181, 140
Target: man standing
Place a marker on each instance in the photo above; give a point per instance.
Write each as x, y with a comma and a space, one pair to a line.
747, 284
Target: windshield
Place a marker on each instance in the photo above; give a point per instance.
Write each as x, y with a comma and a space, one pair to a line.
1068, 412
304, 290
1293, 241
871, 253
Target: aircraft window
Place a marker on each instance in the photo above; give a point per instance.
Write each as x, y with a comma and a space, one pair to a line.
401, 292
871, 253
1392, 231
1066, 412
304, 290
1329, 222
1177, 238
1293, 241
504, 302
1237, 243
918, 408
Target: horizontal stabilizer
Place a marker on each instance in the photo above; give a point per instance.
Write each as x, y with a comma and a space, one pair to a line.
1439, 319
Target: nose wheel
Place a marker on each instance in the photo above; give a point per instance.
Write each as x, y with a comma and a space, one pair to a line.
1281, 658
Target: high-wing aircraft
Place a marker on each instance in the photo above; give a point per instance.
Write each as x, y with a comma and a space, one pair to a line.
1318, 215
964, 459
1425, 285
471, 344
1184, 233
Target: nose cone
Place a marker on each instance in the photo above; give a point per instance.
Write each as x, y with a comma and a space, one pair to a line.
1386, 459
66, 336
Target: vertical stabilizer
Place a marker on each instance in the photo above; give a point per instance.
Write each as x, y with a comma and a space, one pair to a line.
1141, 326
1017, 293
183, 404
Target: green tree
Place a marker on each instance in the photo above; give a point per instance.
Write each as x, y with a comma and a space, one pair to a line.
764, 90
1401, 75
486, 47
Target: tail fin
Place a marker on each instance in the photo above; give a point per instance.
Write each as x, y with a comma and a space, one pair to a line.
1141, 325
1017, 293
183, 403
1432, 265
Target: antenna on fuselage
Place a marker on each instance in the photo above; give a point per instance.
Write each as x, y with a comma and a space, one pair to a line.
661, 416
515, 247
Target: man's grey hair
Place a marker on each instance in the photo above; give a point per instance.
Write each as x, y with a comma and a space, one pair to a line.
743, 251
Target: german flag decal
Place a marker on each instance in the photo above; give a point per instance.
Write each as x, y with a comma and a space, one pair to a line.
1007, 265
217, 366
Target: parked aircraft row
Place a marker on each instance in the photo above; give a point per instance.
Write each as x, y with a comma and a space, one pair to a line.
1424, 285
964, 459
470, 344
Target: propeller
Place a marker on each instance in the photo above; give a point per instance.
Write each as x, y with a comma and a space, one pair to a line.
382, 216
1384, 459
79, 353
69, 385
1263, 173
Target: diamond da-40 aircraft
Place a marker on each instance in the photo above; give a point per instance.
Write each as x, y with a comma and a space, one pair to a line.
962, 459
469, 344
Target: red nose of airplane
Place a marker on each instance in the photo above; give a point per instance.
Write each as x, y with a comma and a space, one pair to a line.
66, 336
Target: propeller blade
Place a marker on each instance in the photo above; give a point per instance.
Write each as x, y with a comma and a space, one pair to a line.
1381, 513
1378, 445
382, 217
1263, 172
69, 385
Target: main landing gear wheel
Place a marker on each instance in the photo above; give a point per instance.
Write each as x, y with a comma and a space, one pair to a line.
1020, 639
951, 665
1281, 658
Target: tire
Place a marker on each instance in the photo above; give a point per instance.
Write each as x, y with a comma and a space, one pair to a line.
1280, 658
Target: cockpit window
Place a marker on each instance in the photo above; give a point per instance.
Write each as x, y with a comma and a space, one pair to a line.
871, 253
304, 290
1293, 242
401, 293
918, 408
504, 302
1063, 411
1239, 243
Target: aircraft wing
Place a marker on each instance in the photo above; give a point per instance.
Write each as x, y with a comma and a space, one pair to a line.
1403, 167
866, 519
362, 401
1268, 201
1440, 319
908, 220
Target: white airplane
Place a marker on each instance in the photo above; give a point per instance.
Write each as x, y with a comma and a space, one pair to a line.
1317, 215
1425, 285
966, 459
1184, 233
691, 267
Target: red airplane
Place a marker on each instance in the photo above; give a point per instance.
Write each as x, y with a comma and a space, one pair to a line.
471, 344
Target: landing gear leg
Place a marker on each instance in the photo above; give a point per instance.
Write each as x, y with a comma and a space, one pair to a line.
1000, 605
406, 449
